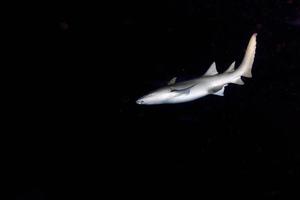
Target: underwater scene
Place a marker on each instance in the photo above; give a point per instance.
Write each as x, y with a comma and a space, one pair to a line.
159, 99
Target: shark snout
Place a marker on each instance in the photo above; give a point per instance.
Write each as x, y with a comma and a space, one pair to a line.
140, 101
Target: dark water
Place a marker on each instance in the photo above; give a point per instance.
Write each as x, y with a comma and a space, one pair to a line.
78, 133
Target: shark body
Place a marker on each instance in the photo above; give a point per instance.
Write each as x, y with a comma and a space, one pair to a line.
210, 83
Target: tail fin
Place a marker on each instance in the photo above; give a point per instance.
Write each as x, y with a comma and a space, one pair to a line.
246, 65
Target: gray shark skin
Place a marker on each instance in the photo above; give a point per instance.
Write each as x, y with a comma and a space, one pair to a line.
210, 83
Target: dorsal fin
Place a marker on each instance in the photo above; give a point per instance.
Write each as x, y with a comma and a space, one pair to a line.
230, 68
212, 70
172, 81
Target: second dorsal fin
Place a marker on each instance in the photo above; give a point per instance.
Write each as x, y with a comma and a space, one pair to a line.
212, 70
231, 68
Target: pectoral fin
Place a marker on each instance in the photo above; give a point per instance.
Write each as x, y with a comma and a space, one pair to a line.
182, 90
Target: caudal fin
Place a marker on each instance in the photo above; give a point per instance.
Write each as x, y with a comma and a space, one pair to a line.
247, 63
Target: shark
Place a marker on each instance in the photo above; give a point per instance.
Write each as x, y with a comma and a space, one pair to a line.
212, 82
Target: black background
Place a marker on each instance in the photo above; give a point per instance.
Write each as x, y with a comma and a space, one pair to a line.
77, 132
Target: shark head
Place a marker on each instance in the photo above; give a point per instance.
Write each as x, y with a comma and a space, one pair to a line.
163, 95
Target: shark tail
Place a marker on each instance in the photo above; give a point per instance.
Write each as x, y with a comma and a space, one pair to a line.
247, 63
